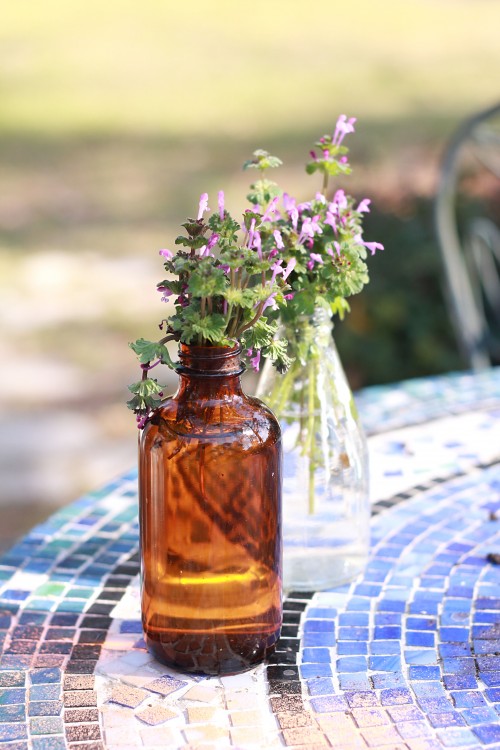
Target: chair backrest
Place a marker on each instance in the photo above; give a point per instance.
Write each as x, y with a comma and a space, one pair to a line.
471, 254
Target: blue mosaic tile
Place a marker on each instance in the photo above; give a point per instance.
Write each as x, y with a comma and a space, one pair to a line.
352, 648
353, 634
354, 681
327, 704
385, 663
315, 670
9, 732
14, 679
488, 733
11, 695
421, 623
395, 696
454, 635
319, 626
387, 632
420, 638
352, 664
316, 655
384, 680
423, 657
451, 737
468, 699
385, 648
459, 682
480, 715
353, 619
45, 676
46, 725
130, 626
320, 686
326, 613
12, 713
318, 639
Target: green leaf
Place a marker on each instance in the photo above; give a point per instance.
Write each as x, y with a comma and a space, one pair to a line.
145, 393
207, 281
147, 351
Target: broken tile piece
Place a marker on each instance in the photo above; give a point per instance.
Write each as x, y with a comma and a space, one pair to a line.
127, 696
200, 714
164, 685
154, 715
201, 693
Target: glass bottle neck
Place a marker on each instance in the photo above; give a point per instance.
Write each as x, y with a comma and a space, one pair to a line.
316, 329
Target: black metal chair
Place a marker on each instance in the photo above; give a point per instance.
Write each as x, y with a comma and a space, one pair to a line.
467, 210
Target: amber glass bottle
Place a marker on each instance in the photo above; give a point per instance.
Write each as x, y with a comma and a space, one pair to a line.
210, 513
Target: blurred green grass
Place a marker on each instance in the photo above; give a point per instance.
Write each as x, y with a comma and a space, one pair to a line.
115, 116
198, 68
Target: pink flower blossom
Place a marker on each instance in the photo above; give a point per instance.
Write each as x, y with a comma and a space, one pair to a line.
343, 127
373, 246
317, 258
364, 206
278, 239
289, 296
166, 253
276, 269
220, 201
289, 268
270, 302
333, 252
310, 227
331, 220
271, 210
291, 209
255, 361
203, 205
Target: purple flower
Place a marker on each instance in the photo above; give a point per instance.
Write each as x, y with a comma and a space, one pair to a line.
165, 292
289, 268
312, 154
364, 206
257, 244
166, 253
276, 269
373, 246
320, 198
291, 209
278, 239
203, 205
255, 361
289, 296
214, 238
270, 302
271, 210
339, 201
310, 227
220, 200
331, 220
343, 127
272, 253
315, 258
332, 252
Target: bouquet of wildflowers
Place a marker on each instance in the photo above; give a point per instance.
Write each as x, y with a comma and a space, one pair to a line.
232, 281
224, 283
322, 238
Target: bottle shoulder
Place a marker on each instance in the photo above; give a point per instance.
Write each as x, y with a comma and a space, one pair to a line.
242, 418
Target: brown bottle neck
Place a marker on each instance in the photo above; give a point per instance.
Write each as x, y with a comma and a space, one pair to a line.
209, 371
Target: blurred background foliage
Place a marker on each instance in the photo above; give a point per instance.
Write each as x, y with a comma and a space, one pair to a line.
115, 116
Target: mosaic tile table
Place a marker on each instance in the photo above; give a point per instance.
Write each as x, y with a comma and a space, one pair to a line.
407, 657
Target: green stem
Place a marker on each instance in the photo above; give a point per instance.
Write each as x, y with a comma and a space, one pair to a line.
311, 432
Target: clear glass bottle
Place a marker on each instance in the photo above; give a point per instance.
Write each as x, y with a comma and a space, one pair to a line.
326, 510
210, 516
